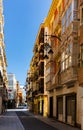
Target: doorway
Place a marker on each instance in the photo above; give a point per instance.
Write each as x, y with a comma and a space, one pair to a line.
71, 109
51, 106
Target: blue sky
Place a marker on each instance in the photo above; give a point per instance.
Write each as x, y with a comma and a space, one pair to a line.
22, 19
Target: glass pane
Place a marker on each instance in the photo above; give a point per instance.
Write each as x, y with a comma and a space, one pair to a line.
66, 63
75, 4
63, 56
70, 60
63, 66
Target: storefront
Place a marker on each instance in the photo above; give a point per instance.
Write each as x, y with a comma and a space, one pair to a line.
66, 108
60, 108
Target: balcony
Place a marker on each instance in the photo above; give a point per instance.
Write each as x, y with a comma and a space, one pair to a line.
53, 81
47, 71
29, 93
48, 78
40, 46
41, 59
41, 70
40, 90
48, 86
41, 39
69, 76
56, 82
48, 81
34, 93
49, 68
75, 14
40, 86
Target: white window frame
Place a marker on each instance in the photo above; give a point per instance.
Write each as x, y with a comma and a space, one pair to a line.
67, 18
66, 58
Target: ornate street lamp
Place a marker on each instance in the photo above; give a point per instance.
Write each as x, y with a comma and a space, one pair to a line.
53, 36
47, 47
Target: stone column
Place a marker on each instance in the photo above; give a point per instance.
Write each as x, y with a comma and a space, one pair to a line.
64, 101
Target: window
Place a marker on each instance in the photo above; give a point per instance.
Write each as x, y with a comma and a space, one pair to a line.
66, 58
63, 21
10, 82
63, 63
75, 4
70, 14
75, 9
67, 18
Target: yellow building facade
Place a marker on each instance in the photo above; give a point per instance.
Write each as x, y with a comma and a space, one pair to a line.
3, 63
61, 71
61, 77
52, 68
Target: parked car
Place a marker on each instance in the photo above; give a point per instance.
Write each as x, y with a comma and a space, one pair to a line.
20, 107
23, 106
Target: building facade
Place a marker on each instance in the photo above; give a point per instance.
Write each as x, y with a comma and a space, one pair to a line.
37, 97
80, 58
40, 93
12, 83
52, 67
64, 91
61, 81
3, 63
17, 93
64, 97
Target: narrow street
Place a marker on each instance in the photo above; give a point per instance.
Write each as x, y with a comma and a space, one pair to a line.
30, 122
22, 119
18, 119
